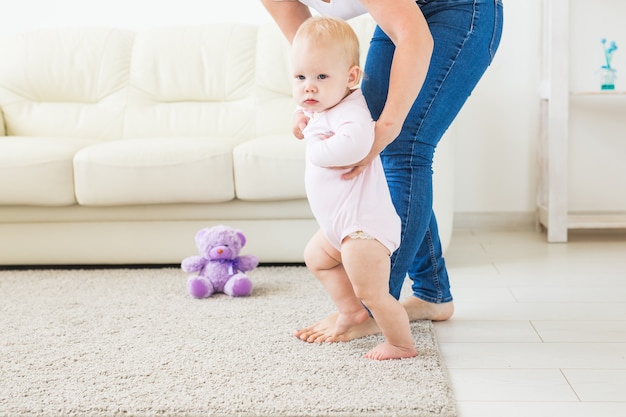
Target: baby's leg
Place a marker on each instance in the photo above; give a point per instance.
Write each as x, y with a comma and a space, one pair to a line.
324, 261
367, 264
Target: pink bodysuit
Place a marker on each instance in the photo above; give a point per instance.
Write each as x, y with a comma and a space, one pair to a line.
362, 204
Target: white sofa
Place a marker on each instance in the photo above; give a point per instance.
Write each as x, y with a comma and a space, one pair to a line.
116, 146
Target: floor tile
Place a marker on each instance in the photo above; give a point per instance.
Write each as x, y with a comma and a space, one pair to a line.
540, 409
581, 331
485, 331
566, 279
483, 294
569, 295
553, 266
474, 310
534, 355
539, 329
510, 385
598, 385
460, 273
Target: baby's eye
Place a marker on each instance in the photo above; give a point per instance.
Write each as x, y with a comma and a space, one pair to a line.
300, 77
322, 76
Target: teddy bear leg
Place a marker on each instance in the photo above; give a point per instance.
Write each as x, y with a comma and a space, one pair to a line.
239, 285
199, 287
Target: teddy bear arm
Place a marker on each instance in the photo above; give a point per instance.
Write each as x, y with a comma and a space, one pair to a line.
193, 263
248, 262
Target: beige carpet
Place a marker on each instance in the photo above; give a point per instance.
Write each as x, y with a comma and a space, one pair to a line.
131, 342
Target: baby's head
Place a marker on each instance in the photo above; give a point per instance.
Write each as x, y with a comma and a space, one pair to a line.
325, 63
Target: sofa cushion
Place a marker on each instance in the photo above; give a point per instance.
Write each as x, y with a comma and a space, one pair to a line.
192, 81
38, 171
274, 112
154, 171
195, 63
270, 168
69, 83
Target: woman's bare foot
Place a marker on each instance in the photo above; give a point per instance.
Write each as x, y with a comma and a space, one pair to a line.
418, 309
367, 328
386, 351
326, 329
334, 327
317, 332
345, 321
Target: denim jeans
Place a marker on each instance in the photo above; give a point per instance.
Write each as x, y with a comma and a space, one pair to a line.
466, 35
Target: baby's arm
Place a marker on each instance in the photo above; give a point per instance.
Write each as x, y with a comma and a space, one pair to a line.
349, 144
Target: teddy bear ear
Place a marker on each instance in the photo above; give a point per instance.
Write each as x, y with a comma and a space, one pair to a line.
242, 238
201, 234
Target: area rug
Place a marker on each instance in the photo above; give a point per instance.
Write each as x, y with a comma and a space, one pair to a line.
131, 342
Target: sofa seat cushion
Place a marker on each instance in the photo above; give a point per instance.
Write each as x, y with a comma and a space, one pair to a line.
154, 171
270, 168
38, 170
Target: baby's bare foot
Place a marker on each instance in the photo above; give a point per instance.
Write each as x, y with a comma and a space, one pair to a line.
334, 328
386, 351
418, 309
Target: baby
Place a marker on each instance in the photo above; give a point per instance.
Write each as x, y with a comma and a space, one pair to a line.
359, 227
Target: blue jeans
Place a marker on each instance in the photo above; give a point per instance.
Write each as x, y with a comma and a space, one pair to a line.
466, 35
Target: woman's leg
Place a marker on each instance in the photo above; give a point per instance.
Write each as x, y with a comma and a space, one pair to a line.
466, 34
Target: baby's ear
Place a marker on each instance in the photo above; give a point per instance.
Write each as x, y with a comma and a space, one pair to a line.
354, 76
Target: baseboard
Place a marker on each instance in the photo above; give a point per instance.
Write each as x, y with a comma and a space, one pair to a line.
495, 221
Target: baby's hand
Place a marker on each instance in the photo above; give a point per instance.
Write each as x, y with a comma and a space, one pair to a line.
327, 134
300, 121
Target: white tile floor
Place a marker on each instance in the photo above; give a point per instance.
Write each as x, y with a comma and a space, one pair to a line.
539, 328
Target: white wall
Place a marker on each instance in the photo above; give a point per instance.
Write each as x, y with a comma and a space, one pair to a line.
20, 15
498, 127
597, 142
497, 130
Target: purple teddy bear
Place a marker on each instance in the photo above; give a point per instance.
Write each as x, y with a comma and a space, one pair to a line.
219, 267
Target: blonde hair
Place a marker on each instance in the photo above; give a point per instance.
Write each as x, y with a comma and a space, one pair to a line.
331, 31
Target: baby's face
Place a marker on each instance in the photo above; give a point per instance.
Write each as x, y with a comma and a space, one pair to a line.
321, 75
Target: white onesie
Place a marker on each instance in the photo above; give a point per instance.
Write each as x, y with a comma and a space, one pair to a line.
343, 9
362, 204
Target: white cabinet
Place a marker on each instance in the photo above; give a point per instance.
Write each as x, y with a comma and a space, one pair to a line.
553, 213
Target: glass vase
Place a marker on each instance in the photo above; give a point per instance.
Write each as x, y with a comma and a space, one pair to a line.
607, 78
